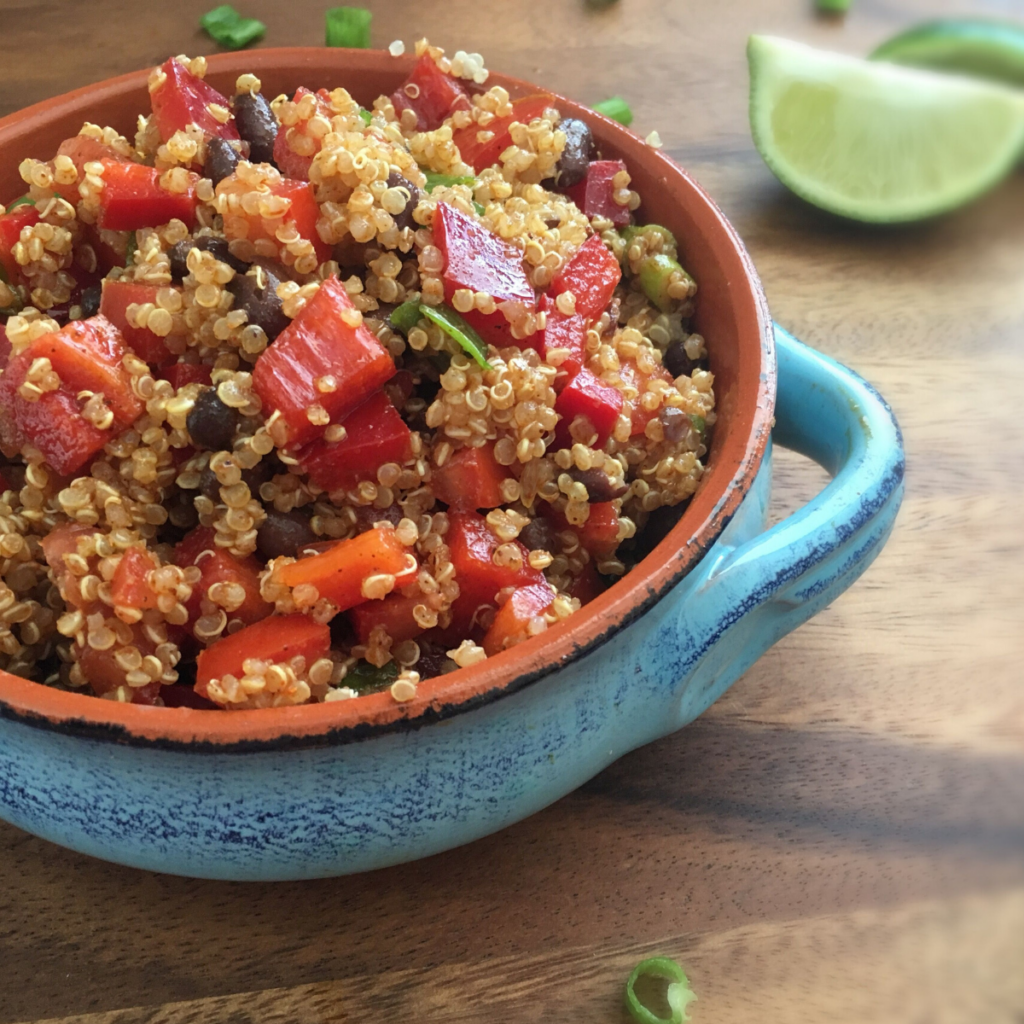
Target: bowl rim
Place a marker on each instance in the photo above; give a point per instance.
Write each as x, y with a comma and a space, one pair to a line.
441, 697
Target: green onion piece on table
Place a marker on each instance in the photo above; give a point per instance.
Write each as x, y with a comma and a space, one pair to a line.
23, 201
131, 248
365, 115
455, 327
833, 6
679, 993
349, 26
447, 180
617, 109
366, 678
405, 317
226, 27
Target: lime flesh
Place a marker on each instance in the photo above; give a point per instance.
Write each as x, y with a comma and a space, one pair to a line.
876, 142
969, 46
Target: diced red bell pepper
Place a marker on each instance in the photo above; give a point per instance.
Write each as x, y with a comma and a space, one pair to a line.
512, 623
477, 259
290, 163
637, 379
562, 332
319, 343
431, 94
10, 232
593, 195
600, 533
5, 347
470, 479
591, 275
400, 388
183, 99
472, 544
117, 297
338, 574
375, 434
303, 212
394, 613
219, 566
87, 356
105, 674
82, 149
133, 198
277, 639
588, 584
587, 395
60, 541
129, 587
180, 374
481, 154
110, 247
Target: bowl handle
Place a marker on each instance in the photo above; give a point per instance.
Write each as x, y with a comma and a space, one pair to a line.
766, 587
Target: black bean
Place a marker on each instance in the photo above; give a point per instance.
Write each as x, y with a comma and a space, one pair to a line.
257, 125
367, 515
256, 293
181, 511
600, 486
404, 219
572, 165
283, 533
211, 424
218, 247
209, 485
221, 160
90, 301
538, 534
676, 361
678, 427
433, 660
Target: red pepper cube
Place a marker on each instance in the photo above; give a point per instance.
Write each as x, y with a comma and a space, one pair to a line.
11, 224
82, 149
477, 259
129, 587
60, 541
394, 613
591, 275
132, 197
117, 297
302, 211
182, 99
565, 333
339, 572
633, 377
600, 533
587, 396
472, 544
431, 94
471, 478
5, 347
594, 194
375, 433
514, 618
277, 639
290, 162
87, 356
482, 154
180, 374
588, 584
321, 342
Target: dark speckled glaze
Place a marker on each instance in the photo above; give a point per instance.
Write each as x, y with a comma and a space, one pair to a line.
330, 789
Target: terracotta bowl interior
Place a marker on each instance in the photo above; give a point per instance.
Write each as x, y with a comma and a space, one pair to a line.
731, 313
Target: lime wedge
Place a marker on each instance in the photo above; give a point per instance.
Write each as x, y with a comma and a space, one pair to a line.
877, 142
970, 46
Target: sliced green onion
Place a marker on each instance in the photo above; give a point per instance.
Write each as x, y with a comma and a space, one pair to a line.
699, 424
447, 180
405, 317
616, 108
365, 115
679, 993
631, 232
226, 27
23, 201
349, 26
479, 207
131, 248
456, 327
366, 678
833, 6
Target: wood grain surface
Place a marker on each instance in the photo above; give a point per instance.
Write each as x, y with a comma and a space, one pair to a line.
841, 838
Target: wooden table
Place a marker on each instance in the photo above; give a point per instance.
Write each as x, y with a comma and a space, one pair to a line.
841, 838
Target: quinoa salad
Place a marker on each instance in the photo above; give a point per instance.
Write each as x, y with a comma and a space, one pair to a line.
302, 400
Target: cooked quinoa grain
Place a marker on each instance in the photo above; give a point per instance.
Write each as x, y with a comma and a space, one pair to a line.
367, 395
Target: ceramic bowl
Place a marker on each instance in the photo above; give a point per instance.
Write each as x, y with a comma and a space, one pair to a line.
352, 785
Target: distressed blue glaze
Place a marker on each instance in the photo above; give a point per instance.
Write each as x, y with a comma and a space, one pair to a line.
286, 814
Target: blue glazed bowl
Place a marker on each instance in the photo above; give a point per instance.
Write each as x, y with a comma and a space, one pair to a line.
332, 789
